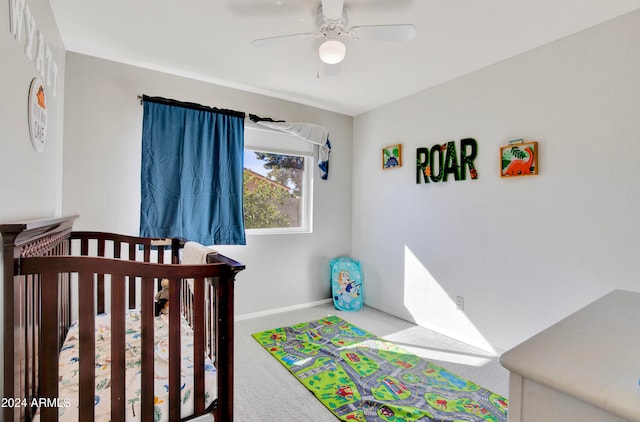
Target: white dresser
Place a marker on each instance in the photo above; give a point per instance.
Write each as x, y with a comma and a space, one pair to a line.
585, 368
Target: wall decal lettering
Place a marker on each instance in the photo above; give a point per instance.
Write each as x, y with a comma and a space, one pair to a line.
21, 21
438, 163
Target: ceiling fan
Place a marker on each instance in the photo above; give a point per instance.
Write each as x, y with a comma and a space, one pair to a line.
332, 25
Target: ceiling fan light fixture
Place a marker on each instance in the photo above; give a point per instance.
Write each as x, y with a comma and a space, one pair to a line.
332, 51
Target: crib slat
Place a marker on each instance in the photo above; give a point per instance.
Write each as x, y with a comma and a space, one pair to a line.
174, 350
147, 315
87, 356
175, 251
224, 336
49, 347
65, 316
118, 397
198, 344
160, 254
132, 292
36, 345
211, 318
31, 335
101, 248
132, 280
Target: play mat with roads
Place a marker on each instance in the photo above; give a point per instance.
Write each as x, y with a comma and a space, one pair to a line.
360, 377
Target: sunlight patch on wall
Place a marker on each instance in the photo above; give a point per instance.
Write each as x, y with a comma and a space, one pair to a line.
432, 307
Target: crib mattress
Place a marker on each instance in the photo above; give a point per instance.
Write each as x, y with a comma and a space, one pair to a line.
69, 370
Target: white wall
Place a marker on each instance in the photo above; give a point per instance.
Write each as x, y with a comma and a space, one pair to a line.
30, 184
101, 182
30, 180
523, 252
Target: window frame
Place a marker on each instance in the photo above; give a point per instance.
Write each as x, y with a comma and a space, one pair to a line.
261, 139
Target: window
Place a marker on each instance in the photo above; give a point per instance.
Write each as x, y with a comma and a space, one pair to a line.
278, 171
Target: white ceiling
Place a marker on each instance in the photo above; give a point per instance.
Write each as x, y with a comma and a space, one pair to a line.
211, 40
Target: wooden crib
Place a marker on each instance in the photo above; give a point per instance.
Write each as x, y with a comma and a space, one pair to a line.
53, 276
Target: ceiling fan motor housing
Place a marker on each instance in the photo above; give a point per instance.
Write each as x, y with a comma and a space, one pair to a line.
325, 24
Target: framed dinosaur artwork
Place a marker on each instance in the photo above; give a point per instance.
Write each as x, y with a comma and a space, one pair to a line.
392, 156
519, 158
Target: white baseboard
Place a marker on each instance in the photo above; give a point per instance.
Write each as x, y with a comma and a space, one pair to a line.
280, 310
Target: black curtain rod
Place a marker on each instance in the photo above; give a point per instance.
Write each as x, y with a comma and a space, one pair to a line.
192, 106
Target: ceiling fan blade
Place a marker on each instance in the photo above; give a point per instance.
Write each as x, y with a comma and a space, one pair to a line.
397, 33
332, 9
283, 39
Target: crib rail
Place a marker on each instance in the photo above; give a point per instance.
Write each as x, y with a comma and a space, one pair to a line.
219, 315
132, 248
113, 245
90, 269
42, 259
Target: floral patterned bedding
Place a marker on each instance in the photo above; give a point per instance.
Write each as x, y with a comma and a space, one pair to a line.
69, 370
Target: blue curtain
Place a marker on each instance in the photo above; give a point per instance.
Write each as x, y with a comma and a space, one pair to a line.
192, 160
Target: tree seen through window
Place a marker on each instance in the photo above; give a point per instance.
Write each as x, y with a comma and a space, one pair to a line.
273, 185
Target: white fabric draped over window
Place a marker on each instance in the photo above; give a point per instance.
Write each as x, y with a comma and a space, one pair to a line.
309, 132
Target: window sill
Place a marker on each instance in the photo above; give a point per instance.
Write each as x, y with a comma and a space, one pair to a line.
292, 230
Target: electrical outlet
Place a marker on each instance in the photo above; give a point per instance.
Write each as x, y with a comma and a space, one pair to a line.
460, 303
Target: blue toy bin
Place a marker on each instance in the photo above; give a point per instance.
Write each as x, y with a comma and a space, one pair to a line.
346, 283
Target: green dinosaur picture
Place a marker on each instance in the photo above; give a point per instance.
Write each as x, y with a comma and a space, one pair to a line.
392, 156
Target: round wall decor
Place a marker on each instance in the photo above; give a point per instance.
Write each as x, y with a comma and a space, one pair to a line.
37, 115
